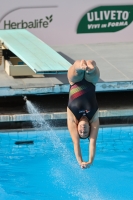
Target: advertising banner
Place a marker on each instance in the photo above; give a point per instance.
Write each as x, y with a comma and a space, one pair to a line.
59, 22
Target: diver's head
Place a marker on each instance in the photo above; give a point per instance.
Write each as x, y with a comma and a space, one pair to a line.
83, 128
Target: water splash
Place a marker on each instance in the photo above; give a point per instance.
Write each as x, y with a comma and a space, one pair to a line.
32, 109
51, 134
25, 98
61, 178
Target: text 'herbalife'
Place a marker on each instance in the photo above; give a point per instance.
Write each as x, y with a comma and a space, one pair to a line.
37, 23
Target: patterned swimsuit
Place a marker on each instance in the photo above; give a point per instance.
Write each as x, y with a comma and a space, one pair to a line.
82, 99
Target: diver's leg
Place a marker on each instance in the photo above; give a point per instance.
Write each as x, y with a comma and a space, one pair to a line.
76, 71
92, 72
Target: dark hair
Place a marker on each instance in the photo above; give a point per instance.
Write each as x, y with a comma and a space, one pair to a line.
85, 137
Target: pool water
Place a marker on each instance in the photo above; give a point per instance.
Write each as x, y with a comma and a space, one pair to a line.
48, 169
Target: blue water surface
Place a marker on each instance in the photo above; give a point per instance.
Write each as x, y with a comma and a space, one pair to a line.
48, 169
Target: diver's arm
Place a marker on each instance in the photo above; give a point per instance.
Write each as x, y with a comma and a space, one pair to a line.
93, 138
92, 144
77, 152
92, 149
72, 126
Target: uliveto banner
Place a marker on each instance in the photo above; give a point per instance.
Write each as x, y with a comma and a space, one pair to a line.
70, 22
106, 19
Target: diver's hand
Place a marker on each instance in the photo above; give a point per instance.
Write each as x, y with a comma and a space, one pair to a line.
85, 165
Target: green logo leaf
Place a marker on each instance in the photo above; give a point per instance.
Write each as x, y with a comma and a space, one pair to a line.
106, 19
49, 18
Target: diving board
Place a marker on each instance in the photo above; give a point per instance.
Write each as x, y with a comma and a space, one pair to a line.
33, 53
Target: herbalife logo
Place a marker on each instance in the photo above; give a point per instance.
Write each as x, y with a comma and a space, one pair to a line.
37, 23
106, 19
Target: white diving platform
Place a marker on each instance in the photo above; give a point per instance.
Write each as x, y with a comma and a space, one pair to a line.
30, 55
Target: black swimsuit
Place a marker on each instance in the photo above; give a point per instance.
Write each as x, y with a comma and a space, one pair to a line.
82, 99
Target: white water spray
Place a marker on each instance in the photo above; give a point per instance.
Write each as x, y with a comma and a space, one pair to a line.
83, 193
38, 121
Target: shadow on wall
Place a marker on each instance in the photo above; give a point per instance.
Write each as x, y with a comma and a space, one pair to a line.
70, 60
